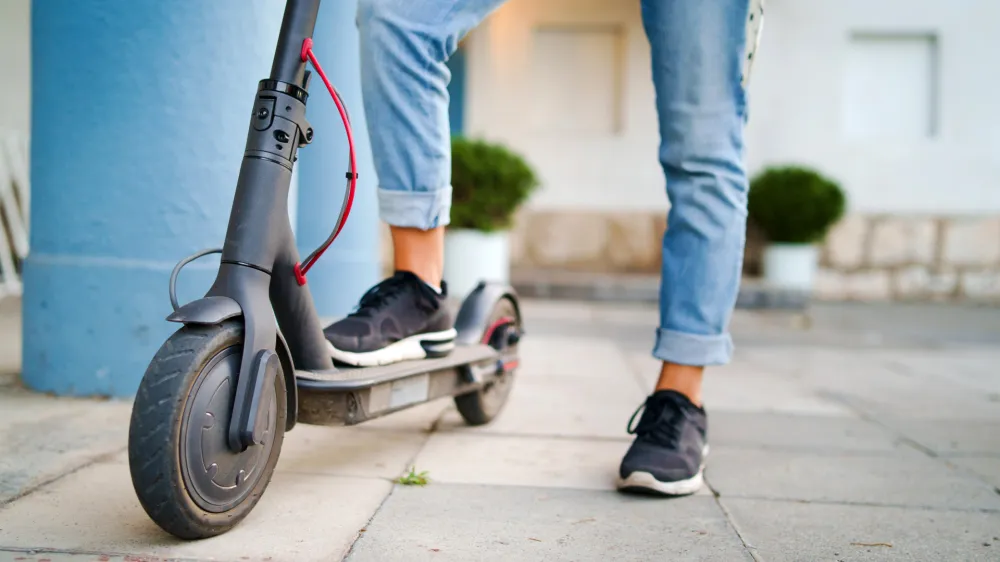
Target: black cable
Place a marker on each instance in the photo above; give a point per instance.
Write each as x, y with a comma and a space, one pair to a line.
177, 269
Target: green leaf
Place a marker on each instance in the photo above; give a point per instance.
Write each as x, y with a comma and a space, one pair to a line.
489, 183
413, 478
795, 204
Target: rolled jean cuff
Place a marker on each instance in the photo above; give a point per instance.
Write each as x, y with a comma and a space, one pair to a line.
692, 349
415, 209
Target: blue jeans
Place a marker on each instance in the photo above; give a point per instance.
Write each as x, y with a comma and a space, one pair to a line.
700, 55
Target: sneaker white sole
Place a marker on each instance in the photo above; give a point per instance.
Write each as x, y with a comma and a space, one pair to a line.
640, 481
413, 347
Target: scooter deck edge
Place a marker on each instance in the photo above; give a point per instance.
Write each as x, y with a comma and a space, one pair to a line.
353, 396
354, 378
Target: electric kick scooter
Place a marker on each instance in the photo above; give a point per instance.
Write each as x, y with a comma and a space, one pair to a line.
250, 358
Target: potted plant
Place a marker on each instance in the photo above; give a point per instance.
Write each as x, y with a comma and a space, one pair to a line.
489, 184
794, 207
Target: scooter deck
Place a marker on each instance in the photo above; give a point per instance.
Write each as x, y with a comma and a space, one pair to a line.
352, 395
353, 378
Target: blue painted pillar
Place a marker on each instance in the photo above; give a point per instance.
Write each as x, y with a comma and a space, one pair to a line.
351, 265
140, 112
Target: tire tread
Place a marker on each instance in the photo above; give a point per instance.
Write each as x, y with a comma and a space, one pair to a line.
155, 426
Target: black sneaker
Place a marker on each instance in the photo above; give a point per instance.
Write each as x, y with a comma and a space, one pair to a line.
401, 318
668, 454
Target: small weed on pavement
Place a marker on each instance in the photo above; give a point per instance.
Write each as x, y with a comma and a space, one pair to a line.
413, 478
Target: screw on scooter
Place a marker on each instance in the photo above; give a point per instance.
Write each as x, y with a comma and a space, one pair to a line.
215, 402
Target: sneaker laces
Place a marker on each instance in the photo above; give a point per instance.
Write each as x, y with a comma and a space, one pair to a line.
390, 289
660, 421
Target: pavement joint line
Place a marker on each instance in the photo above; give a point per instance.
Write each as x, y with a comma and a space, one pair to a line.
970, 455
752, 550
811, 451
816, 451
334, 475
126, 555
360, 533
912, 443
871, 418
636, 372
435, 425
971, 473
915, 507
32, 489
535, 436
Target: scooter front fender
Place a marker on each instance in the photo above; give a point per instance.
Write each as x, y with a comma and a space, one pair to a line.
207, 311
212, 310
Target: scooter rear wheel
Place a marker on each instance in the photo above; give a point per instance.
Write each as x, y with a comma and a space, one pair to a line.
187, 479
482, 406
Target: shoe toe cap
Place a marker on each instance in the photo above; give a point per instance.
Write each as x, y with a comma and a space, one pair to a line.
348, 335
665, 465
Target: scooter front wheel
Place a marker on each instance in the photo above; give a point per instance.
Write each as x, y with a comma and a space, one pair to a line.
187, 479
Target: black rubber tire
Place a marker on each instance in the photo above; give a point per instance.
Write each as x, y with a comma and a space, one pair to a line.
484, 405
154, 442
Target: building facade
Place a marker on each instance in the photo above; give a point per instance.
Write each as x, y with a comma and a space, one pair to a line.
891, 98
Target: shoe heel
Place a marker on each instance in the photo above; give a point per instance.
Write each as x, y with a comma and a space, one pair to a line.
437, 349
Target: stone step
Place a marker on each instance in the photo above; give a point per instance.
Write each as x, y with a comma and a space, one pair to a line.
572, 285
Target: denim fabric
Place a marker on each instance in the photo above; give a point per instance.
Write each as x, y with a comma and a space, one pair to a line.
405, 46
701, 56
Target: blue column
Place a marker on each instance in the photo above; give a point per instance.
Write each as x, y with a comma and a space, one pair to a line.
351, 265
140, 112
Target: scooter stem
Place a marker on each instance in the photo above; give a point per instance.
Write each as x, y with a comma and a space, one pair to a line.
259, 254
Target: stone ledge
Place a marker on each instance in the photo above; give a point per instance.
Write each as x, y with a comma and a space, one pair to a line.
567, 285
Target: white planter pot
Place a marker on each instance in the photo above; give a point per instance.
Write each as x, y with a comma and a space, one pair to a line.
471, 256
791, 266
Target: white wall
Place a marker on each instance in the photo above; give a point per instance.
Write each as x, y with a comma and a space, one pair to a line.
858, 109
907, 124
15, 65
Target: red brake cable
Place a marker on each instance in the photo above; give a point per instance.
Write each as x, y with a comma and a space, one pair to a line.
352, 175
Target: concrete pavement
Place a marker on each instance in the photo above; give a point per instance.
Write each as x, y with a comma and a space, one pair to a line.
860, 433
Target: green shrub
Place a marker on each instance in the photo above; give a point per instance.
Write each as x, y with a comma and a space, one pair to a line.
794, 204
489, 184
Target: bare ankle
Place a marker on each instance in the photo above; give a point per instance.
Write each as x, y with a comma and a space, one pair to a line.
685, 379
420, 252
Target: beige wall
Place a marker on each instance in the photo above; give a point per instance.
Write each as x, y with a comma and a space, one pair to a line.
567, 83
15, 65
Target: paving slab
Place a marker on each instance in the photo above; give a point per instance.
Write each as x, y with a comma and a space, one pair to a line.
49, 556
565, 406
987, 468
745, 386
19, 405
902, 478
923, 401
728, 391
798, 432
342, 451
950, 437
42, 438
790, 531
592, 358
466, 458
973, 369
301, 517
447, 522
881, 384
